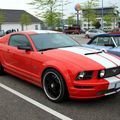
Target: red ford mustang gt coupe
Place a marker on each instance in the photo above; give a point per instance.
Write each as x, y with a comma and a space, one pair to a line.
59, 65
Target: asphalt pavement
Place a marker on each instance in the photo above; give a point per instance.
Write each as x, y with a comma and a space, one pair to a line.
80, 38
20, 100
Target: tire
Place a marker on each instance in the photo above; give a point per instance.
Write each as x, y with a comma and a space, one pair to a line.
54, 86
1, 70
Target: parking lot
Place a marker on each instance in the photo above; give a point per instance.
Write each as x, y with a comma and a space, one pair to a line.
20, 100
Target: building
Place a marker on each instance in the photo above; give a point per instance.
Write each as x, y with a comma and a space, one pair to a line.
12, 20
98, 11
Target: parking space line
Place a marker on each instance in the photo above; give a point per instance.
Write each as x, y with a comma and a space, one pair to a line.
39, 105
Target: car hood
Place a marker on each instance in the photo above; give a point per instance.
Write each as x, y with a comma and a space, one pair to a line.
80, 56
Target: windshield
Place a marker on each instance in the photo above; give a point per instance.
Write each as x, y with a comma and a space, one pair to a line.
117, 41
52, 40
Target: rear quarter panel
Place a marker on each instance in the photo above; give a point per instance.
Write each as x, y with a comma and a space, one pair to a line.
3, 45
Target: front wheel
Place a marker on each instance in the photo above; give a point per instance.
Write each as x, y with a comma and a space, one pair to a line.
54, 86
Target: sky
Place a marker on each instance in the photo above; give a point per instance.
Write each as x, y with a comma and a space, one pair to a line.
22, 4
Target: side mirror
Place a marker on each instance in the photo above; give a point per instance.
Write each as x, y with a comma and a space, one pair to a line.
24, 47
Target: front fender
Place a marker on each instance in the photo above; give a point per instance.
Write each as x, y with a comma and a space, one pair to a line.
61, 68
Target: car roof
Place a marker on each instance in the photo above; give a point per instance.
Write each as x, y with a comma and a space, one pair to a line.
32, 32
40, 31
107, 35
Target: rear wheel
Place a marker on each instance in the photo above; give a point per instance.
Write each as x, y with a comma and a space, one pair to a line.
1, 70
54, 86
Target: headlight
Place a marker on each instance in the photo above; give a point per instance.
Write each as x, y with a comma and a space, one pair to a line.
81, 75
101, 73
85, 75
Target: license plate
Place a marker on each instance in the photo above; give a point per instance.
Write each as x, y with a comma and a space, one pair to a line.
117, 85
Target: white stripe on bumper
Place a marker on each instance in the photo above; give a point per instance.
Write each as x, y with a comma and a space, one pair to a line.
113, 81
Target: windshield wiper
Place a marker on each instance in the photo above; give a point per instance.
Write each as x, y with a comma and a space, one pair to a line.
94, 53
45, 49
69, 46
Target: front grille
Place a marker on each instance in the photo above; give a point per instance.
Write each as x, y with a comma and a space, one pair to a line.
112, 72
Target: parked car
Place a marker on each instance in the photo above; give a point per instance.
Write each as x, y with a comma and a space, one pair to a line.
93, 32
115, 31
2, 33
73, 30
108, 42
59, 65
82, 31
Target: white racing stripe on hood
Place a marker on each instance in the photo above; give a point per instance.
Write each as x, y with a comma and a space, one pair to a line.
112, 82
103, 61
118, 75
75, 50
99, 59
114, 59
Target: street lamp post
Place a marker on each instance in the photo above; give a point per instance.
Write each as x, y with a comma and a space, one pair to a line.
78, 18
77, 8
102, 16
62, 16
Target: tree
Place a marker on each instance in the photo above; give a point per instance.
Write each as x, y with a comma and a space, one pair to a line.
25, 20
109, 19
2, 18
52, 19
71, 20
49, 9
96, 24
89, 12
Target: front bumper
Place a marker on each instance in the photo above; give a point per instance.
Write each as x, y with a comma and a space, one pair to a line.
94, 88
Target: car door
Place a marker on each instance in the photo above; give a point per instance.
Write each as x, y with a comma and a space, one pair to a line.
19, 61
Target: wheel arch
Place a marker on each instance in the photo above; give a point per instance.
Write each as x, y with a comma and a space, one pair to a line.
65, 75
58, 70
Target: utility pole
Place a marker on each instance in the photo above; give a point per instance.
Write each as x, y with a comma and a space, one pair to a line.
77, 8
102, 23
62, 16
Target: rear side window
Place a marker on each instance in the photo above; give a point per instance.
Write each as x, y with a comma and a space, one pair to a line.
16, 40
102, 41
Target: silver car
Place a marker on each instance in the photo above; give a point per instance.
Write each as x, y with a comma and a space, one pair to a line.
93, 32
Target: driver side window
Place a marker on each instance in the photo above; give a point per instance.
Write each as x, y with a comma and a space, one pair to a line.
16, 40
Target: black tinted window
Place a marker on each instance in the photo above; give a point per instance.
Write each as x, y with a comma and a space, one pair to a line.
16, 40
